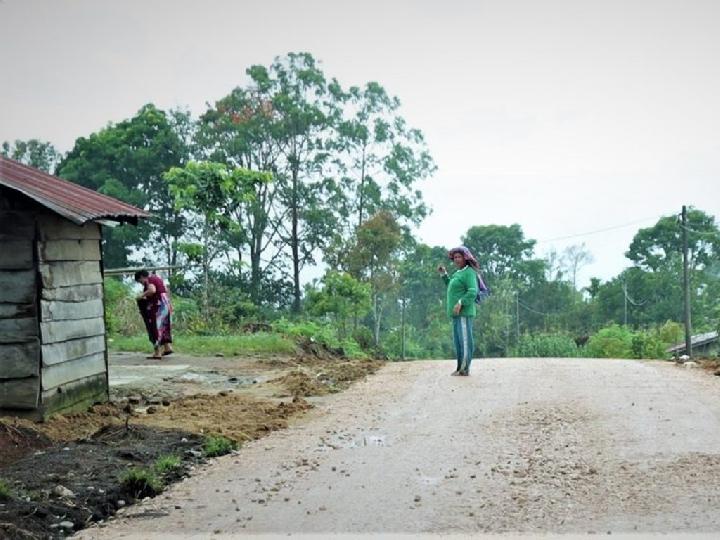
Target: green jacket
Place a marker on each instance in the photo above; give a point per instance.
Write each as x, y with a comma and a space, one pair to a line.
462, 287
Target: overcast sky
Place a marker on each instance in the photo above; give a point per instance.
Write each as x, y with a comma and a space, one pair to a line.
563, 116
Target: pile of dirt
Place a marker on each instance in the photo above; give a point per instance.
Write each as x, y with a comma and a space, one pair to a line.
299, 383
315, 349
314, 377
65, 487
233, 415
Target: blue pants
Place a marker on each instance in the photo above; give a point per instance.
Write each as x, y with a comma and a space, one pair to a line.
464, 344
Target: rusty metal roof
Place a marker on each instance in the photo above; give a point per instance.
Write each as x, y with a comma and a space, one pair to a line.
72, 201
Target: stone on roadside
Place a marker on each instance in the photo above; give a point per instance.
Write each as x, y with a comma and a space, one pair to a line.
62, 491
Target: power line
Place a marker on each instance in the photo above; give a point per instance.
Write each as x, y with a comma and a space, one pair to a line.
598, 231
532, 310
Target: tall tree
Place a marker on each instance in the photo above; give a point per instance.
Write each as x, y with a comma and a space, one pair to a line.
375, 258
215, 198
574, 258
33, 152
505, 253
382, 158
127, 161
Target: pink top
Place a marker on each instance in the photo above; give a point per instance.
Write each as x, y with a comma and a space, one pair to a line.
158, 283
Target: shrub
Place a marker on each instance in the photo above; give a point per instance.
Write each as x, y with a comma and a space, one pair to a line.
323, 333
611, 342
121, 312
140, 483
217, 445
546, 346
166, 464
5, 491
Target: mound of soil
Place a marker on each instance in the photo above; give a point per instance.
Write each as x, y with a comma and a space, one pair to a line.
299, 383
235, 416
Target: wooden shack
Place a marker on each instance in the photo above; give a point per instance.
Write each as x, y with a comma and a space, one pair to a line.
53, 353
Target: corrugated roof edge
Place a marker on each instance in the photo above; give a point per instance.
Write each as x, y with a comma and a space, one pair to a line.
72, 201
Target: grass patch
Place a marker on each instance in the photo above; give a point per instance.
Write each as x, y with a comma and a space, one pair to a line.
232, 345
5, 492
166, 464
217, 445
141, 483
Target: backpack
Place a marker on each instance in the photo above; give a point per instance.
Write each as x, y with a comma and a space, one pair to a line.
483, 290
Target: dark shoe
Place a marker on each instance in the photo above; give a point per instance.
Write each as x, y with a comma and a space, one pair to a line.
455, 373
464, 374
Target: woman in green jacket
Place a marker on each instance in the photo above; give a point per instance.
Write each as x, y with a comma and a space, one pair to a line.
464, 289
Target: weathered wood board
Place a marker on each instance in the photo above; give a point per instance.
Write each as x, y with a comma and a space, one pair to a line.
63, 311
18, 330
65, 372
67, 273
17, 287
77, 395
56, 353
57, 331
53, 227
12, 311
19, 360
16, 255
69, 250
77, 293
20, 393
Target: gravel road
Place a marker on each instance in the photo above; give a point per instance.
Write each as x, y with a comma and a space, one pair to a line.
523, 445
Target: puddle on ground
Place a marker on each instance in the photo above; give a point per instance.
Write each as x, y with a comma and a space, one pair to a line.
348, 441
177, 373
120, 375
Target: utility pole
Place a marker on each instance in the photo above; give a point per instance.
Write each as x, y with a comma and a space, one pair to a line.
626, 300
517, 316
686, 283
403, 302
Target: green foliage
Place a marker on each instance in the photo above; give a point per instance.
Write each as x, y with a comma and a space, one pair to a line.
121, 313
324, 333
615, 341
229, 345
39, 154
342, 296
166, 464
217, 445
141, 483
546, 346
5, 491
127, 160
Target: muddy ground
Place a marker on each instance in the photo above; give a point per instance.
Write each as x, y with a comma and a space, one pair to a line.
64, 474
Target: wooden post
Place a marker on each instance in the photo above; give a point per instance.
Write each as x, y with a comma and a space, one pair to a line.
686, 284
403, 302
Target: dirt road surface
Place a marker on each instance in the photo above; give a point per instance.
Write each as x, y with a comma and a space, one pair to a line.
523, 445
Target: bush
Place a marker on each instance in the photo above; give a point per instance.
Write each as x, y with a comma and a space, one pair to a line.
165, 464
611, 342
141, 483
546, 346
217, 445
121, 312
323, 333
5, 491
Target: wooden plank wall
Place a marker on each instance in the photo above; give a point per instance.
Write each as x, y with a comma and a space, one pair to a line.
19, 340
72, 324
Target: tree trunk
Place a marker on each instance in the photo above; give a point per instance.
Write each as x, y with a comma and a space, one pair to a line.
295, 241
362, 189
